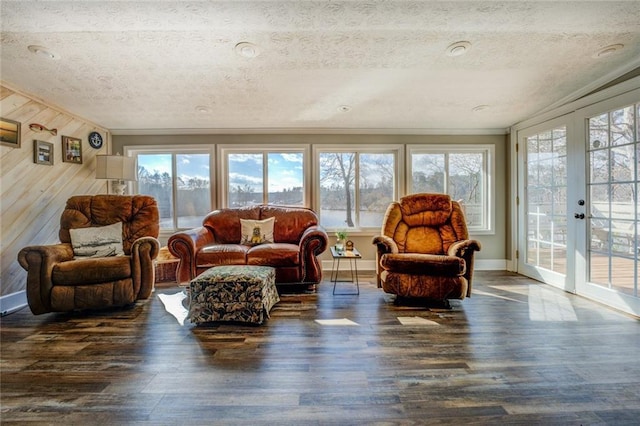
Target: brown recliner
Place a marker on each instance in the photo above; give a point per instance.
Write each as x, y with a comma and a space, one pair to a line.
424, 250
56, 282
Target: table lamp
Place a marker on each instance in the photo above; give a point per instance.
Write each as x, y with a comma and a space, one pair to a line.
118, 169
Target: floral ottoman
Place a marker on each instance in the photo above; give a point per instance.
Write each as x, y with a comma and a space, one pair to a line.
242, 293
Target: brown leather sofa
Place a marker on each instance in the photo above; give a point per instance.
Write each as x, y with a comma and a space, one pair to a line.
297, 241
424, 250
58, 282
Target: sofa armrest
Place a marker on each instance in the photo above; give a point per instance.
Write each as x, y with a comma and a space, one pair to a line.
143, 253
184, 245
384, 245
466, 250
39, 261
313, 242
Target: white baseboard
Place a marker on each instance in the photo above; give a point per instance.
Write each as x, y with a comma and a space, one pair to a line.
13, 302
370, 265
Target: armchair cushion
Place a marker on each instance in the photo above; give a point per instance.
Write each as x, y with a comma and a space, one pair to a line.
91, 271
424, 264
97, 241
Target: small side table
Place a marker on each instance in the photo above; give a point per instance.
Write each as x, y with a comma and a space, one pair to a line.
352, 256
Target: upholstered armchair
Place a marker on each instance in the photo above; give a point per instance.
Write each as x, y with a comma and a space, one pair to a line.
424, 250
60, 279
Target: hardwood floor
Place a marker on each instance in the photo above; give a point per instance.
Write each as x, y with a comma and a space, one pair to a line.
516, 352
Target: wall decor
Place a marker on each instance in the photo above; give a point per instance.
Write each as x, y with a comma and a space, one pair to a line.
40, 128
95, 140
9, 132
43, 152
71, 150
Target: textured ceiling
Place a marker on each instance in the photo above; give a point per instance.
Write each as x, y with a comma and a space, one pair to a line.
136, 66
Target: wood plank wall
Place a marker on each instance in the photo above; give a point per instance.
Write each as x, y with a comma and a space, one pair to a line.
34, 195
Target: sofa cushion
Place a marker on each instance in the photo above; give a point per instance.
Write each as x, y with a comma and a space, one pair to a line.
224, 224
291, 222
91, 271
222, 254
256, 232
97, 241
276, 254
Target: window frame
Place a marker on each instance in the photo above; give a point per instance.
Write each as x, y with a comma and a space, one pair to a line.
223, 152
134, 151
398, 184
488, 170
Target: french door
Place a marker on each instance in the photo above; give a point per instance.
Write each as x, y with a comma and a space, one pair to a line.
578, 203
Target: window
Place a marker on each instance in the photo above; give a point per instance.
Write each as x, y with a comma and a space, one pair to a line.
179, 181
356, 186
462, 171
264, 176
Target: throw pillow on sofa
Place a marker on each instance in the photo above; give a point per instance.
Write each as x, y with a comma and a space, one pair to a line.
97, 241
256, 232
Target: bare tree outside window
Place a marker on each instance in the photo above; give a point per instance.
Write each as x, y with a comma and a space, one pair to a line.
345, 203
337, 190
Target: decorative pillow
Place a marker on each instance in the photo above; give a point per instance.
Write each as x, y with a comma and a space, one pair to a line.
256, 232
97, 241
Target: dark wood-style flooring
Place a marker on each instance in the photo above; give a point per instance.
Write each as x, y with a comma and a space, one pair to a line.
516, 352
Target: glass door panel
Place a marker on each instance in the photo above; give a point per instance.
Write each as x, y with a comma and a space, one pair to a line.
545, 205
613, 189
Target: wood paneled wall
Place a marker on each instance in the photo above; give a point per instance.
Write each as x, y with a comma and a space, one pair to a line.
34, 195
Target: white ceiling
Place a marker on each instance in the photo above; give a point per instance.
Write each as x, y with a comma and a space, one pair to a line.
147, 66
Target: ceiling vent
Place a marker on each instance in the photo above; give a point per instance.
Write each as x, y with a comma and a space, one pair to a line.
458, 48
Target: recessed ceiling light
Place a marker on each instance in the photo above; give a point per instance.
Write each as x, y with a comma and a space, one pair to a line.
458, 48
43, 52
202, 109
479, 108
344, 108
606, 51
247, 50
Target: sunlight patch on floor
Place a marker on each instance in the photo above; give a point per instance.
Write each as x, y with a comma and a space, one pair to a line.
416, 321
484, 293
338, 322
549, 305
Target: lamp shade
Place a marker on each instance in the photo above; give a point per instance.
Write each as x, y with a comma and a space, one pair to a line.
116, 167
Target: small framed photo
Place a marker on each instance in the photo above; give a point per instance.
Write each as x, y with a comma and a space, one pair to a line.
71, 150
9, 133
43, 152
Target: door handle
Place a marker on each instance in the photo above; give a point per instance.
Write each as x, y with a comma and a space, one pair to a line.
579, 215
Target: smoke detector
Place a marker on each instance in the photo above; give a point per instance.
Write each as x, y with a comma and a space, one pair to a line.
247, 50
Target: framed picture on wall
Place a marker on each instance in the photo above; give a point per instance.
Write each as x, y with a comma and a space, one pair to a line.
9, 133
71, 150
43, 152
